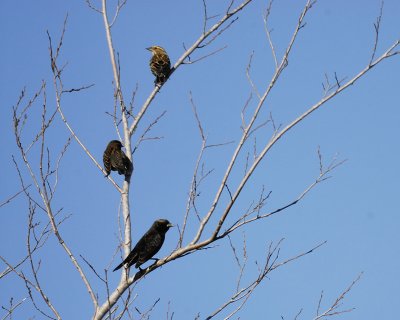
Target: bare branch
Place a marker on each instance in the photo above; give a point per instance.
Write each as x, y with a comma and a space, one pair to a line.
127, 144
46, 180
328, 87
145, 314
320, 301
193, 193
91, 6
268, 32
168, 311
120, 5
203, 138
271, 264
93, 269
242, 113
244, 219
197, 44
108, 294
275, 77
229, 6
279, 135
216, 35
35, 271
30, 283
127, 303
195, 245
241, 266
377, 26
41, 182
205, 18
14, 196
56, 170
253, 86
148, 129
334, 310
214, 145
59, 91
40, 240
205, 56
77, 89
12, 308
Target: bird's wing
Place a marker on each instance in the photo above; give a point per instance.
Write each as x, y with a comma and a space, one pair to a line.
106, 160
154, 242
116, 159
162, 63
119, 266
131, 258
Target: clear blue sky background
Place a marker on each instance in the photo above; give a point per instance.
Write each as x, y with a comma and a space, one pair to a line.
356, 211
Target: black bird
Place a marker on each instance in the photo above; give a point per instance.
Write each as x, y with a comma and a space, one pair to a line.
116, 160
160, 64
148, 245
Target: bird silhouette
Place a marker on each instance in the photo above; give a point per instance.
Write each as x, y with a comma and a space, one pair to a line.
148, 245
116, 160
160, 64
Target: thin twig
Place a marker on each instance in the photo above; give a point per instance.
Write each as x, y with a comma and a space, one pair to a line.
281, 133
12, 308
377, 26
120, 5
334, 310
93, 269
14, 196
268, 32
148, 129
228, 171
197, 44
270, 265
205, 56
30, 283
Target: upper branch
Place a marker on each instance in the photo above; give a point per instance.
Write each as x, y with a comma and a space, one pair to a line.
41, 182
116, 74
184, 56
59, 89
246, 131
127, 136
390, 52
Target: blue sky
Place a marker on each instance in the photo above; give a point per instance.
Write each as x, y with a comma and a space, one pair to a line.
355, 211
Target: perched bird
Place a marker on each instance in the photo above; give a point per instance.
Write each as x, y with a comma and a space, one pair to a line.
116, 160
160, 65
148, 245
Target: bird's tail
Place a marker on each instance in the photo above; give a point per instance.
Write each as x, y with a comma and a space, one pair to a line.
119, 266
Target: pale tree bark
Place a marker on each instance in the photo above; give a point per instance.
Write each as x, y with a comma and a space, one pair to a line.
211, 225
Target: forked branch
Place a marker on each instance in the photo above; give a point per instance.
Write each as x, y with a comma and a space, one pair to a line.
196, 45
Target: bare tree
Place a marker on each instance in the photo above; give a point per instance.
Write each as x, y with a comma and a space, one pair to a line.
42, 163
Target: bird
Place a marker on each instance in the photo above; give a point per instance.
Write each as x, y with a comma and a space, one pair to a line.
148, 245
116, 160
160, 64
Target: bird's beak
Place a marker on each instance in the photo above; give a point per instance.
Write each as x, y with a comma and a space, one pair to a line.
149, 48
169, 225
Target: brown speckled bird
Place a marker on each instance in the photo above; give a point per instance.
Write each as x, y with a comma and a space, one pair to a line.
160, 65
116, 160
148, 245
